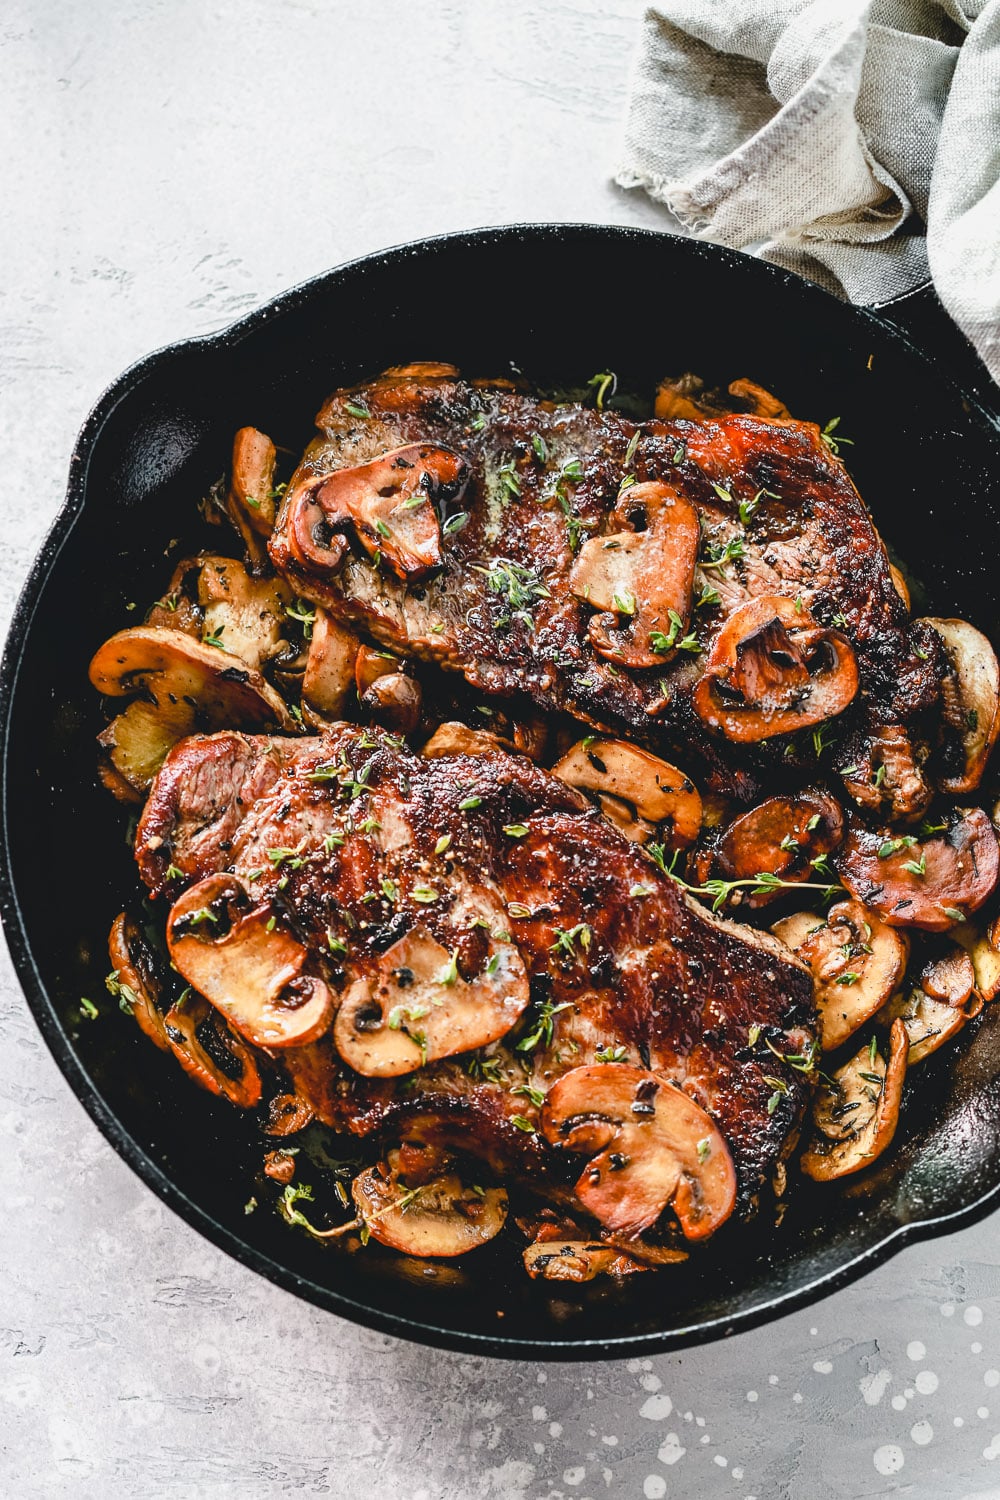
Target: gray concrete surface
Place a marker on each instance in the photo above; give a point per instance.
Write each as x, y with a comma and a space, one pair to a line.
167, 165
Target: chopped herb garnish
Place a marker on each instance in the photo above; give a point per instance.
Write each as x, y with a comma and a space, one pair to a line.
832, 442
88, 1008
424, 894
717, 556
515, 830
443, 843
566, 939
611, 1054
469, 803
455, 523
602, 382
357, 409
541, 448
543, 1029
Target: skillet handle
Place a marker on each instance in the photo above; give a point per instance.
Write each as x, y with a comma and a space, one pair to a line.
921, 319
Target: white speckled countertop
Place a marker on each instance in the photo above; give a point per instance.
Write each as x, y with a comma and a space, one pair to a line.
167, 165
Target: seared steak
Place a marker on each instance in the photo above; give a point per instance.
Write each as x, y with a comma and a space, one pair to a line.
521, 487
358, 847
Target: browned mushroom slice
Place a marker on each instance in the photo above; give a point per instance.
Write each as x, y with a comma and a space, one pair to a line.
758, 401
937, 1006
659, 792
185, 686
394, 701
422, 369
391, 502
887, 777
932, 882
639, 579
371, 664
971, 691
418, 1006
650, 1144
855, 1114
685, 397
900, 584
287, 1114
313, 540
983, 947
773, 670
577, 1260
856, 961
783, 836
329, 673
454, 738
250, 501
248, 968
211, 1052
438, 1218
135, 978
246, 616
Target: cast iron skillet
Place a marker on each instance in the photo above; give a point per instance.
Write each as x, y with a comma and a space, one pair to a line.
559, 302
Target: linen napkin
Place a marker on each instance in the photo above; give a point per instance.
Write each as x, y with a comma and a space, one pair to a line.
854, 141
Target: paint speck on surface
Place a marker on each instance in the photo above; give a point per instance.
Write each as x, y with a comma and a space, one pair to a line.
722, 1462
612, 1442
541, 1377
555, 1429
699, 1421
915, 1350
772, 1380
899, 1403
958, 1422
737, 1473
947, 1309
922, 1432
797, 1397
976, 1347
656, 1408
823, 1367
574, 1476
670, 1450
654, 1487
650, 1382
926, 1382
873, 1387
983, 1412
991, 1377
888, 1459
909, 1393
539, 1414
814, 1331
993, 1450
973, 1316
539, 1448
751, 1395
705, 1438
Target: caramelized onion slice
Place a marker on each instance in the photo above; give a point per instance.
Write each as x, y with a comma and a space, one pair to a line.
252, 975
972, 700
650, 1144
437, 1218
933, 882
391, 503
856, 1113
639, 576
782, 835
418, 1006
659, 792
773, 670
856, 961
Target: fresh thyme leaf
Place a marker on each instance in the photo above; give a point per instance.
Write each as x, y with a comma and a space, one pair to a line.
602, 382
356, 409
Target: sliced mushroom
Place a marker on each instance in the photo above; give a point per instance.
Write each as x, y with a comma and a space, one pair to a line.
856, 1113
759, 402
933, 882
186, 686
774, 670
438, 1218
135, 972
856, 962
371, 664
972, 701
454, 738
887, 776
178, 609
639, 576
576, 1260
782, 836
211, 1052
287, 1114
246, 615
422, 369
983, 947
391, 503
650, 1144
329, 673
252, 975
937, 1006
250, 500
900, 584
684, 397
659, 792
418, 1006
394, 701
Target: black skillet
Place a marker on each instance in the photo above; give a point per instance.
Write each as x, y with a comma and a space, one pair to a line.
558, 302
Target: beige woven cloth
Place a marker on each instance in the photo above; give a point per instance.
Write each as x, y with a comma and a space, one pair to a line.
854, 141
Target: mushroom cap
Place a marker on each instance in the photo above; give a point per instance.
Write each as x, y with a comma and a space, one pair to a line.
774, 670
635, 576
934, 882
856, 960
650, 1144
185, 1026
417, 1006
658, 791
394, 701
224, 949
167, 665
975, 699
781, 835
856, 1113
454, 738
439, 1218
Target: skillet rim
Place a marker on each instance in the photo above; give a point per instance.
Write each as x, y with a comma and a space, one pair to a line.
43, 1009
